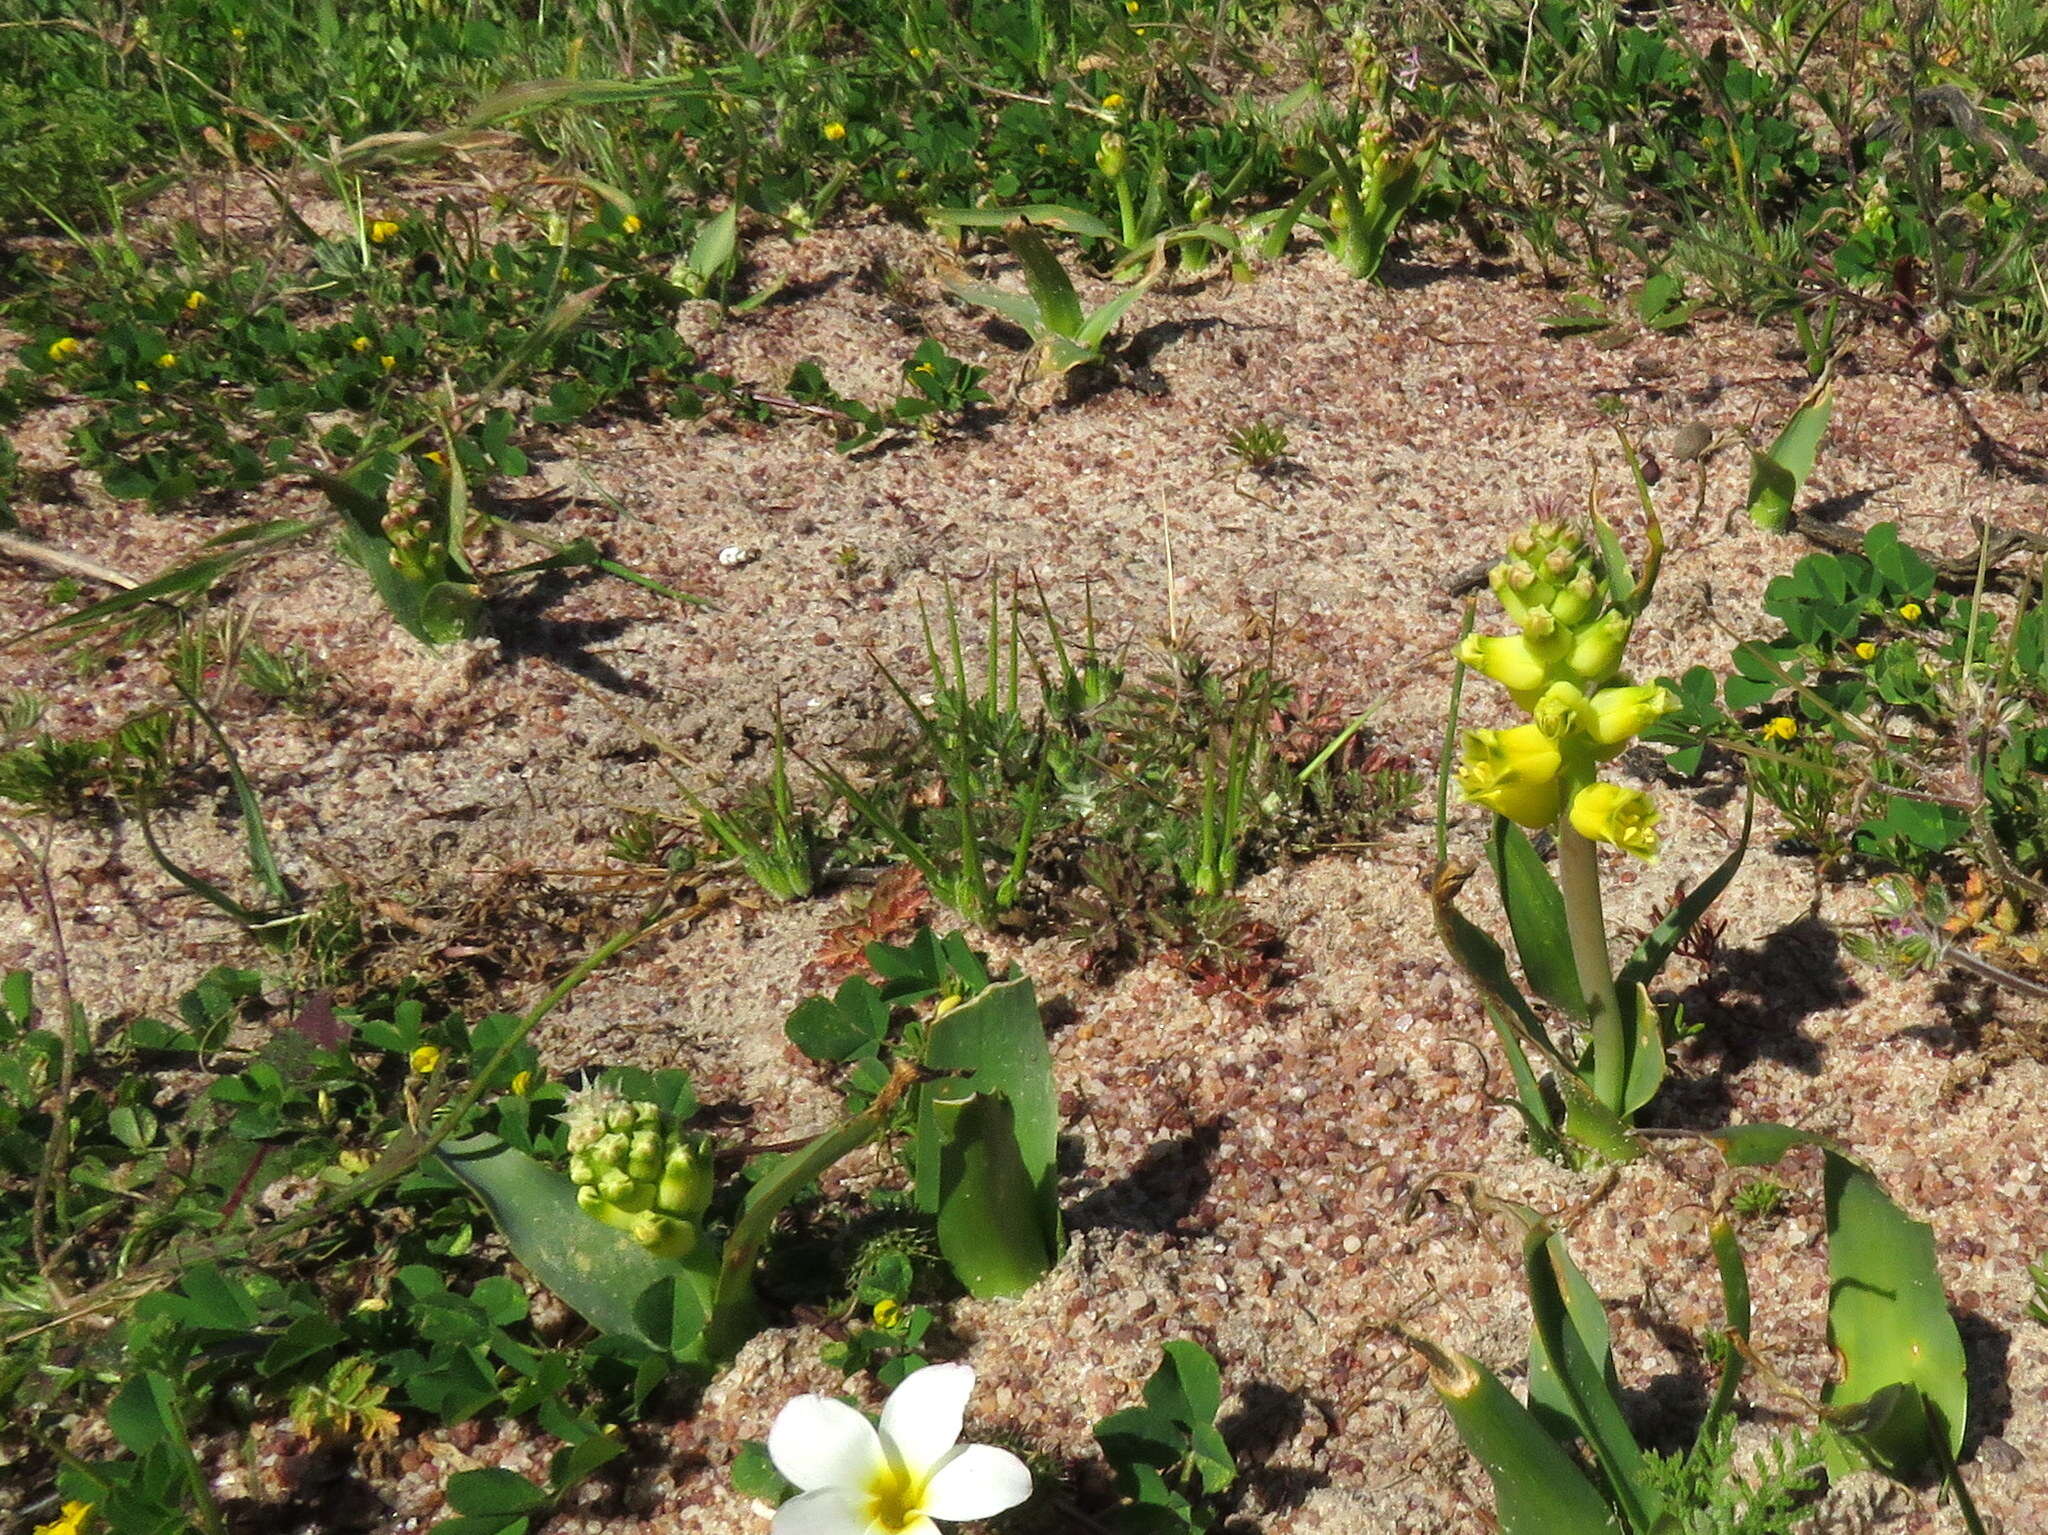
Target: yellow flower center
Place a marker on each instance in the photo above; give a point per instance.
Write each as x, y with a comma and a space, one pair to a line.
895, 1503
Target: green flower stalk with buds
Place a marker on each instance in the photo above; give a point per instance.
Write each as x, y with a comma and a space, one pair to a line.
1573, 603
636, 1173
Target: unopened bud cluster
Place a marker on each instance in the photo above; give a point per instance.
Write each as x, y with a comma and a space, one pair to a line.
636, 1172
1563, 667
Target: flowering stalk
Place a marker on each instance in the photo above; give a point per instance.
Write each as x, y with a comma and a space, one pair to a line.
1578, 871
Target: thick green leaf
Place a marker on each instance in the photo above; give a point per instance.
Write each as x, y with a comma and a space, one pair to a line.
1535, 911
1538, 1489
1052, 215
1777, 476
1646, 1062
998, 1038
1483, 959
1097, 327
715, 245
1735, 1304
1051, 289
599, 1272
1572, 1386
988, 1224
1020, 309
1761, 1145
1889, 1324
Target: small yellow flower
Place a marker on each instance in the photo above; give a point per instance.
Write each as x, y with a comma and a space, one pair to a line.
195, 300
426, 1060
630, 223
887, 1314
387, 362
917, 53
167, 360
1910, 612
1113, 102
521, 1083
1865, 651
382, 230
923, 367
70, 1522
1130, 7
360, 344
142, 386
1782, 728
835, 131
435, 456
237, 33
64, 347
353, 1162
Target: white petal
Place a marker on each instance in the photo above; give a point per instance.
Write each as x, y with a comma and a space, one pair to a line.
828, 1511
921, 1420
977, 1482
817, 1442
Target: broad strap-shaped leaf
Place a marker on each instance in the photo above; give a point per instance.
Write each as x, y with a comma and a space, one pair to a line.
1097, 327
1889, 1324
1537, 1115
1051, 289
1646, 1063
1573, 1391
1538, 1489
1655, 951
597, 1271
1481, 958
1058, 216
1536, 919
998, 1038
989, 1225
1018, 308
1777, 475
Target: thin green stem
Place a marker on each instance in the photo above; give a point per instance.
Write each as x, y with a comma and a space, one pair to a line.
1578, 868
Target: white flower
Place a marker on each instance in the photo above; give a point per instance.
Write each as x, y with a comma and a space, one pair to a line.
856, 1479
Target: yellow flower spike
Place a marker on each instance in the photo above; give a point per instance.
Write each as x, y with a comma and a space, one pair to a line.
70, 1522
1507, 659
630, 223
1782, 728
1910, 612
64, 348
426, 1060
1619, 715
887, 1313
360, 344
167, 360
1865, 651
195, 300
1613, 813
834, 132
382, 230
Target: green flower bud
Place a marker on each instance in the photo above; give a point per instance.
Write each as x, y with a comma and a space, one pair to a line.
664, 1236
1111, 156
581, 1169
622, 1116
1597, 654
608, 1151
644, 1160
593, 1203
626, 1192
1609, 812
1576, 601
685, 1182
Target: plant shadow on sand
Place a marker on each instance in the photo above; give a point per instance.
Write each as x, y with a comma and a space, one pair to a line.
1749, 1010
1161, 1192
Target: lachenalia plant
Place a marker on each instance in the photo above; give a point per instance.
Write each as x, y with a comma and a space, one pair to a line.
1573, 604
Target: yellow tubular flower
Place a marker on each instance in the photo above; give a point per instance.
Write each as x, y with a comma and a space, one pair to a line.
1609, 812
1619, 715
1508, 660
195, 299
70, 1522
1514, 772
63, 348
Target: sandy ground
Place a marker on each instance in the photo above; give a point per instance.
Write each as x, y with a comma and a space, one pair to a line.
1257, 1182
